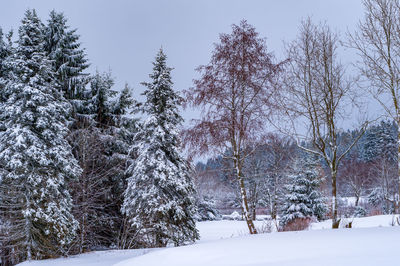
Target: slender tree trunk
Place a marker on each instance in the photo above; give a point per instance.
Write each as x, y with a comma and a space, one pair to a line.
396, 199
274, 208
243, 195
335, 220
28, 240
245, 208
357, 199
28, 232
254, 200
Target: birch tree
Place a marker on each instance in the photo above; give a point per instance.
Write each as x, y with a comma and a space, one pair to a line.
235, 93
317, 91
377, 42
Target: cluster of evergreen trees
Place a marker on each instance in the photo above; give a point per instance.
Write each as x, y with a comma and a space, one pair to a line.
78, 171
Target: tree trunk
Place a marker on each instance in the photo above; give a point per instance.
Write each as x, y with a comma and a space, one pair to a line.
254, 202
28, 232
243, 195
335, 220
245, 207
396, 199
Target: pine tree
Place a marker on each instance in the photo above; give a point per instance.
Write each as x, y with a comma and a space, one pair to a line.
5, 53
159, 200
3, 56
101, 106
303, 199
68, 58
379, 142
36, 162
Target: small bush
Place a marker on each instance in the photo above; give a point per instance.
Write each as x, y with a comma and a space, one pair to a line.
360, 211
266, 227
298, 224
395, 220
206, 210
234, 216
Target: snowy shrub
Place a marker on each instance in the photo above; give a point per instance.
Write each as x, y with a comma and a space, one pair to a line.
359, 211
206, 210
233, 216
236, 216
268, 226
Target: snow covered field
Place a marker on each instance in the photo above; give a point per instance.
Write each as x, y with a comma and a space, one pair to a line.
372, 242
98, 258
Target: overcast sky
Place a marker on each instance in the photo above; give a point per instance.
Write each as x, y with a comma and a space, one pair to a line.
126, 35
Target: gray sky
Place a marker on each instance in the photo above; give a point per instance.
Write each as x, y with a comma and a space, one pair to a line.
126, 35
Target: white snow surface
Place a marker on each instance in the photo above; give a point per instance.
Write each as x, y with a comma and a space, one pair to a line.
371, 241
97, 258
352, 247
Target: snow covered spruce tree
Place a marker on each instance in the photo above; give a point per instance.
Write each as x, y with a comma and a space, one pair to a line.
6, 50
4, 53
68, 58
36, 162
303, 199
159, 199
379, 143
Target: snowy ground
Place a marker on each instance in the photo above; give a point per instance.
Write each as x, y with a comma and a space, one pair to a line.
97, 258
372, 241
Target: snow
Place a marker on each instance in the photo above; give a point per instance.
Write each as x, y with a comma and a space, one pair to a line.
97, 258
351, 201
371, 241
365, 222
363, 246
216, 230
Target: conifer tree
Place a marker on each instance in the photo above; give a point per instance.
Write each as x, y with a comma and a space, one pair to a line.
5, 53
3, 56
36, 162
379, 142
303, 200
68, 58
159, 200
100, 103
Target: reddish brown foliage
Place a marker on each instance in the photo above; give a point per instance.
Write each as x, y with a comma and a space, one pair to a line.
298, 224
235, 92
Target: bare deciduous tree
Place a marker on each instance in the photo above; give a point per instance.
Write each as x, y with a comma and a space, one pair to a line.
235, 93
317, 89
96, 199
356, 177
378, 43
280, 152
